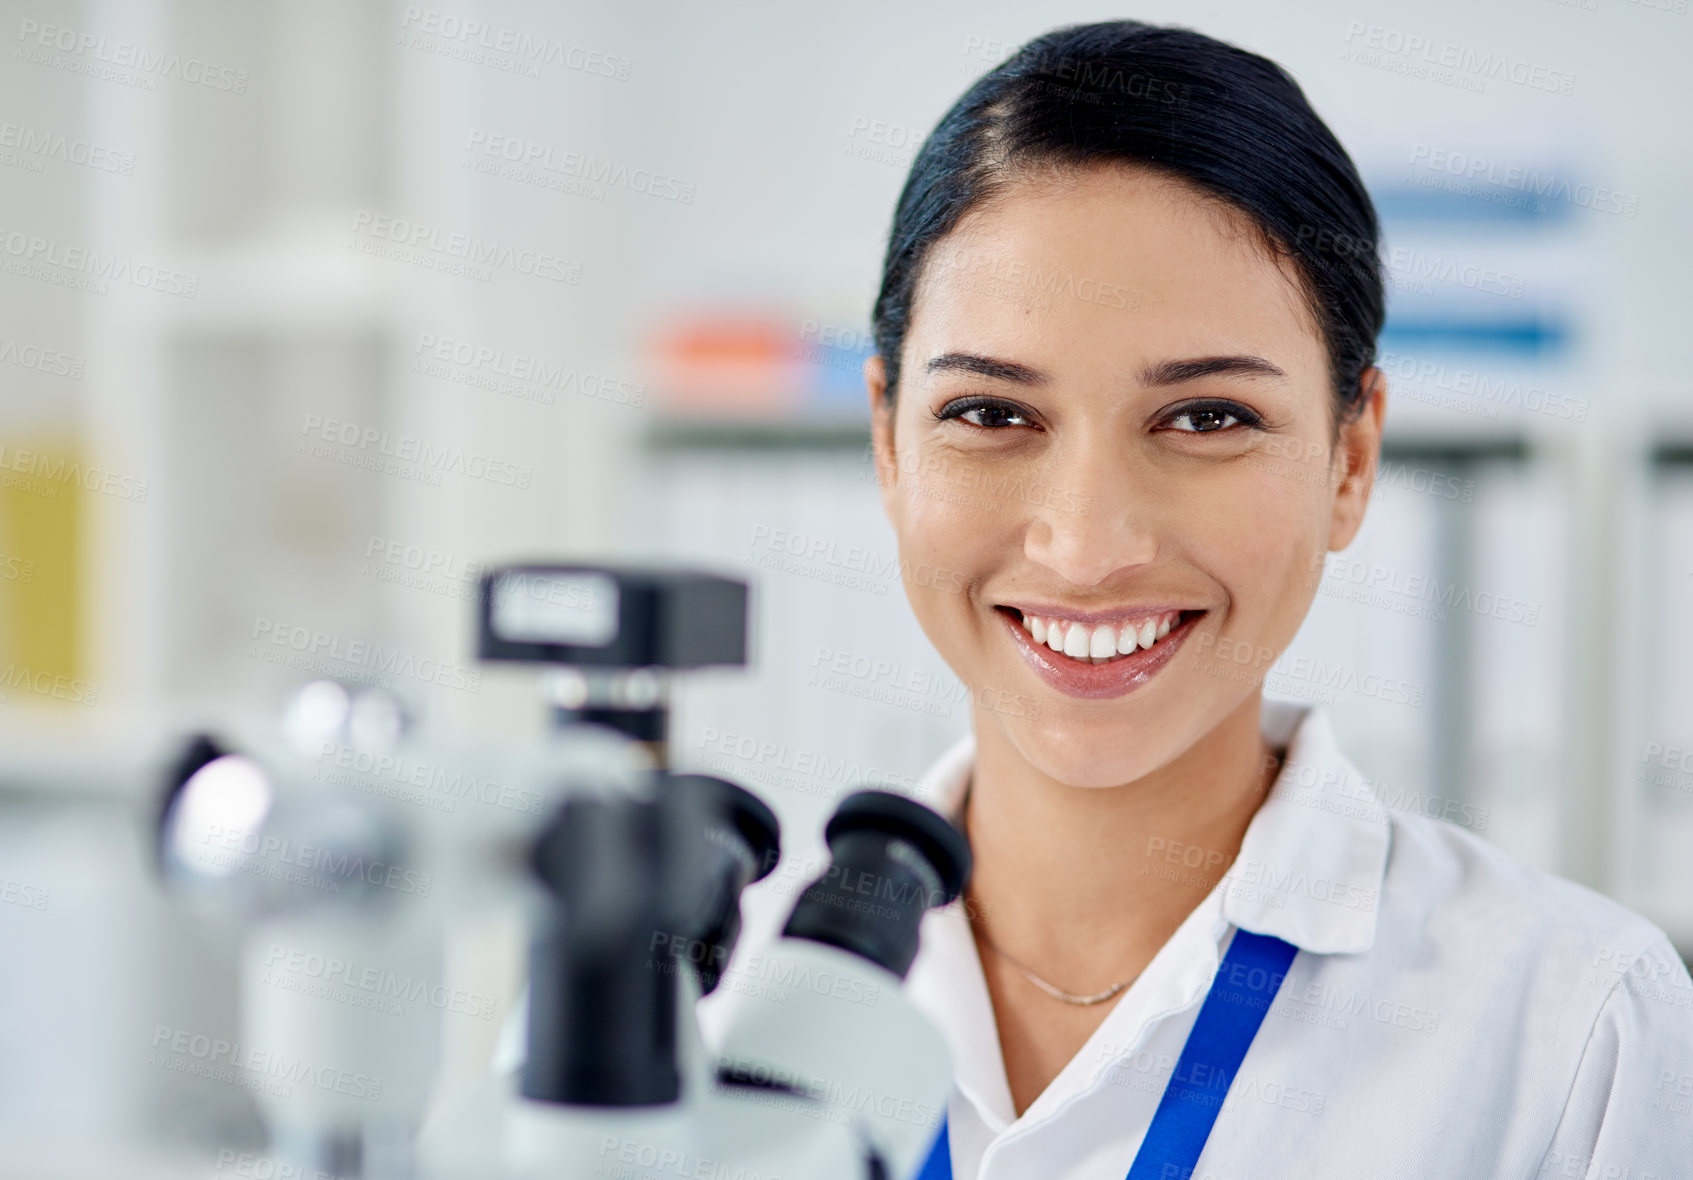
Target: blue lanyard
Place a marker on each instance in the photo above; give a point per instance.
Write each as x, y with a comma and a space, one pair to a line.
1248, 979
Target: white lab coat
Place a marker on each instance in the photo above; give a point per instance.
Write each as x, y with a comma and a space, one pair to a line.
1451, 1013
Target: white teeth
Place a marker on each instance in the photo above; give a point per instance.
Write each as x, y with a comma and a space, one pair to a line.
1103, 642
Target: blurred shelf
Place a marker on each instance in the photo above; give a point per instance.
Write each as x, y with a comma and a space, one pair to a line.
671, 434
1437, 451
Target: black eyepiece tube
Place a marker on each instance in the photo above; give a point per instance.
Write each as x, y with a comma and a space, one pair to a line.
742, 845
603, 971
891, 860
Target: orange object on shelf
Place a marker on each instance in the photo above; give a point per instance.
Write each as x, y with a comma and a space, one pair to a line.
726, 363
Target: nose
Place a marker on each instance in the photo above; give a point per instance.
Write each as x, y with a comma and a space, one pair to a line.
1101, 524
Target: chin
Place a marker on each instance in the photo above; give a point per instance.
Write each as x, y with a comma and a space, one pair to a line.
1077, 756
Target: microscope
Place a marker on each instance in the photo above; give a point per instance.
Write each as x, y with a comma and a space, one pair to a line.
629, 875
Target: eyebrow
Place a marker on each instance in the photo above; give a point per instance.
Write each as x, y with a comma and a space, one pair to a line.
1175, 372
1159, 374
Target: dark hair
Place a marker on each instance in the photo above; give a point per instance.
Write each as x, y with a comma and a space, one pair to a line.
1230, 123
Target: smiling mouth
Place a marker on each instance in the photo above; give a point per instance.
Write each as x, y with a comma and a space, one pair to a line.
1100, 643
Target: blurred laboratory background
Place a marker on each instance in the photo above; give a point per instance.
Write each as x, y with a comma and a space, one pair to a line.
313, 309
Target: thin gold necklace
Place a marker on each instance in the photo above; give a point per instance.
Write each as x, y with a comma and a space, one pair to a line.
1059, 993
1053, 990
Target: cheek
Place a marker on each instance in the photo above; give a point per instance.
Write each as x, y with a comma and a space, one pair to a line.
942, 552
949, 509
1261, 531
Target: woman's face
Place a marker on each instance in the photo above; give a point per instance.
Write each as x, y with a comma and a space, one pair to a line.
1114, 418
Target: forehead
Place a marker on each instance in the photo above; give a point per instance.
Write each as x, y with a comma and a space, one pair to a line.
1111, 267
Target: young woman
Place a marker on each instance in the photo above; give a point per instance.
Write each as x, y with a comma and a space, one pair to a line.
1125, 399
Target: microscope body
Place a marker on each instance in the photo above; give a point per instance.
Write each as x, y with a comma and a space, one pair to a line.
630, 877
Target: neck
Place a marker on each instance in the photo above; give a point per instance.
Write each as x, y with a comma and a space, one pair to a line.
1084, 884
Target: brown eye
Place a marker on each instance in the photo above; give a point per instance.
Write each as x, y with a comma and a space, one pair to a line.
1212, 417
992, 416
1204, 421
985, 413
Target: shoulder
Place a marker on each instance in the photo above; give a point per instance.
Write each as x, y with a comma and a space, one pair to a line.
1450, 892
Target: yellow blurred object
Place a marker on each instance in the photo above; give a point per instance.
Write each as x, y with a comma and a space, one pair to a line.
40, 593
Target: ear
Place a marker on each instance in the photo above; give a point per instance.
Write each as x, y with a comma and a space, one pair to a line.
1356, 454
881, 429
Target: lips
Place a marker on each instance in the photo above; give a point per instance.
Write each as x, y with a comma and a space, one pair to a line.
1097, 678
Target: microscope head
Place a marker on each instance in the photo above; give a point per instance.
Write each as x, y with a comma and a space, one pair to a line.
612, 637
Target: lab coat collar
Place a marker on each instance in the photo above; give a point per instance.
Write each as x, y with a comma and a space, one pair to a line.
1309, 871
1311, 862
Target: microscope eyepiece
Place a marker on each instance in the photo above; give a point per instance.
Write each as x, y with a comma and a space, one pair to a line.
743, 842
891, 860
